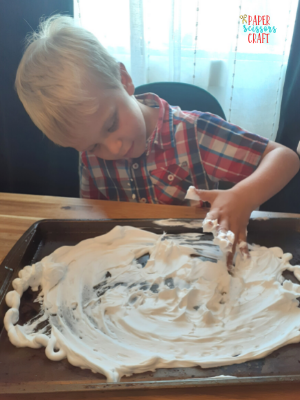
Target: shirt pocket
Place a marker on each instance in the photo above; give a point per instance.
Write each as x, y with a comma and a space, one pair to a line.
171, 184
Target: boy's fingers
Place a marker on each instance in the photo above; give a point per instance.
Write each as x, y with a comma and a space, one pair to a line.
229, 259
223, 226
212, 215
230, 255
243, 246
241, 242
206, 195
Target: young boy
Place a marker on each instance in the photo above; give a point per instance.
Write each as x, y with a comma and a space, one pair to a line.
140, 148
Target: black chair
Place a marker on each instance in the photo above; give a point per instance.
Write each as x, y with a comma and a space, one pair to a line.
186, 96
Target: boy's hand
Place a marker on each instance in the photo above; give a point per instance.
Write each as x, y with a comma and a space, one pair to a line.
232, 210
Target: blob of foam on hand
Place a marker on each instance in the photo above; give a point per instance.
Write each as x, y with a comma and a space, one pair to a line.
224, 239
192, 195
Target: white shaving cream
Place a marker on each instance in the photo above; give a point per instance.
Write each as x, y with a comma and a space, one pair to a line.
110, 314
224, 239
191, 194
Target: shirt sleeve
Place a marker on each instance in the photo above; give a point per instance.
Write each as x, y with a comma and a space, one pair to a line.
228, 152
88, 189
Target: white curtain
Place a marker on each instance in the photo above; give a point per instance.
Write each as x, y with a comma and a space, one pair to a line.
203, 43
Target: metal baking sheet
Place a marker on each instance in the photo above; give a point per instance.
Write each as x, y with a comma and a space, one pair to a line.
25, 370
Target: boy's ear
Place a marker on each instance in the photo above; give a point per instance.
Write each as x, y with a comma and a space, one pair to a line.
126, 80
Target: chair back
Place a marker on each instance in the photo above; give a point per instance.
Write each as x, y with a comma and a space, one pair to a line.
187, 97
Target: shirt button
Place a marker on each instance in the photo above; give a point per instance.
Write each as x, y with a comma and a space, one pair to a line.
128, 183
143, 200
184, 164
135, 166
133, 196
171, 177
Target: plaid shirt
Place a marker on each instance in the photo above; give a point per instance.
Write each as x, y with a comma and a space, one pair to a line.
186, 148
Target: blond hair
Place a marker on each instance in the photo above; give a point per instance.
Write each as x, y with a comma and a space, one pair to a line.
59, 58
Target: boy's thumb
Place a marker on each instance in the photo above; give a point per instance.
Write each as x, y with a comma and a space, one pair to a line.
206, 195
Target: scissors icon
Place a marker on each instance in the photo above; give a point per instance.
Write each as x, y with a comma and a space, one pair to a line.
243, 17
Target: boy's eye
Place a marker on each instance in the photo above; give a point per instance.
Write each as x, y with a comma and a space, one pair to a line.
114, 126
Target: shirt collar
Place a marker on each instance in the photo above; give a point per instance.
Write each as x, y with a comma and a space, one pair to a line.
161, 137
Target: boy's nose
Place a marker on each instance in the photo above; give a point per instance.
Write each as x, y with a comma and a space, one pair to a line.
114, 146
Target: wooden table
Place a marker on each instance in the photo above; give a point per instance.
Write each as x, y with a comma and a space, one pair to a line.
19, 212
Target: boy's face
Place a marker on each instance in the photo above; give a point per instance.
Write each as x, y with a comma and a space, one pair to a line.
120, 127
